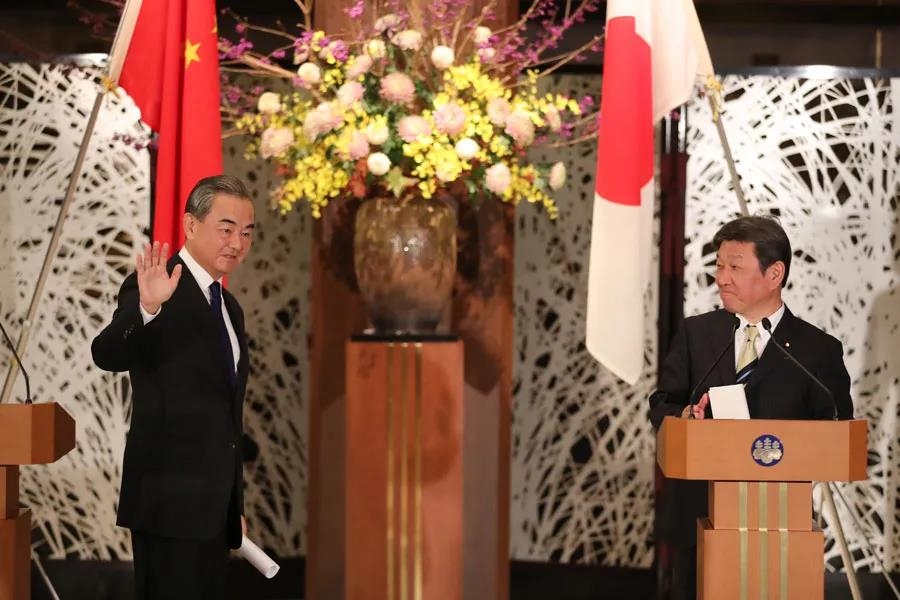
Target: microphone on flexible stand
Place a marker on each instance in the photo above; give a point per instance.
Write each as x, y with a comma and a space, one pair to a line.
19, 362
713, 366
767, 325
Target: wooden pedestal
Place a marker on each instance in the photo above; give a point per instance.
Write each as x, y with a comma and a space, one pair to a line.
782, 565
758, 541
15, 557
404, 471
29, 434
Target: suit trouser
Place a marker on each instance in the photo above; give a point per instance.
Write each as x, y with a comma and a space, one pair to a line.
173, 569
684, 572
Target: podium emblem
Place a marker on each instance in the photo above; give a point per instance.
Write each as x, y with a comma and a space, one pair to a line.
767, 450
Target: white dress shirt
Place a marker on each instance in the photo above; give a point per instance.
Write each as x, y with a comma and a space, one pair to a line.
204, 280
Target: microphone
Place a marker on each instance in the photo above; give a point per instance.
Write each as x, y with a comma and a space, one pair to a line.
19, 362
767, 325
713, 366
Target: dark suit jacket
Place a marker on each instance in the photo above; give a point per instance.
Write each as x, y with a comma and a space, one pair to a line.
182, 474
777, 389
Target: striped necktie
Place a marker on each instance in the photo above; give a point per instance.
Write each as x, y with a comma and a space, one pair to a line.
748, 358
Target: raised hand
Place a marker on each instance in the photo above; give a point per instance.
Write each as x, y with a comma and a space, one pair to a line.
154, 282
699, 408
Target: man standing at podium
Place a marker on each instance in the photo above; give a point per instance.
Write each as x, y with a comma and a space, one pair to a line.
180, 335
731, 345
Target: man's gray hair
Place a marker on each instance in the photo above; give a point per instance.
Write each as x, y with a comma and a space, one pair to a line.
200, 200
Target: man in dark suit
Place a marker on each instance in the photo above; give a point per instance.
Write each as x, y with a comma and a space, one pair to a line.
753, 260
186, 354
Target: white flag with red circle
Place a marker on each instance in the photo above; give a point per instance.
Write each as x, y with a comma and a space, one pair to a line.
654, 55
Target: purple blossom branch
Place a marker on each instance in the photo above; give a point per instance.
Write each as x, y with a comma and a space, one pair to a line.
355, 11
559, 60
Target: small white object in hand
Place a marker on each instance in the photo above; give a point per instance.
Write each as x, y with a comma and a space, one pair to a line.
259, 559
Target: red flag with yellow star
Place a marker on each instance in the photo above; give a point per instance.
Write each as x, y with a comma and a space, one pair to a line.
171, 71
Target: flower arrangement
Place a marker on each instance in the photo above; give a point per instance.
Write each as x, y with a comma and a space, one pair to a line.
411, 101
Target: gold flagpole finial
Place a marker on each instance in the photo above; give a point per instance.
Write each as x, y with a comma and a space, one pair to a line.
714, 89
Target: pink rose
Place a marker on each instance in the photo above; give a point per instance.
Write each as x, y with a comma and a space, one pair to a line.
498, 110
321, 119
412, 128
398, 87
450, 118
520, 127
350, 93
358, 146
360, 66
498, 178
486, 55
554, 121
275, 141
388, 21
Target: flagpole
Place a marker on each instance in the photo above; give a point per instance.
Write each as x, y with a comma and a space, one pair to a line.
715, 105
114, 69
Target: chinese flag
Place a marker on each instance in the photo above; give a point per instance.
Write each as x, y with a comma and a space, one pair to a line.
171, 70
654, 55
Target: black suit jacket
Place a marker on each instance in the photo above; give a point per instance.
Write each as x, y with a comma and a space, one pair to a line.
182, 473
777, 389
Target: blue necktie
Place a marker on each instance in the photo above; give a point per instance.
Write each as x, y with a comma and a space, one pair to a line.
215, 302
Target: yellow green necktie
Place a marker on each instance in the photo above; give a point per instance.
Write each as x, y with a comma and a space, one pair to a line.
748, 357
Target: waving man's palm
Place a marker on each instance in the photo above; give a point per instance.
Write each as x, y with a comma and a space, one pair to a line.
154, 282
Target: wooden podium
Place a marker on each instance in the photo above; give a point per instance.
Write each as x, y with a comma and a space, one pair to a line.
30, 434
403, 520
758, 540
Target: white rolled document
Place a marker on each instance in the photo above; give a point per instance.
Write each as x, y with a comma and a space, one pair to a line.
258, 558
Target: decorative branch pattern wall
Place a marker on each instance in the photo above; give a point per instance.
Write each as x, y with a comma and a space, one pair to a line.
822, 154
43, 112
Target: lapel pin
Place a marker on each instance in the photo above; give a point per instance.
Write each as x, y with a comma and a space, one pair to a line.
787, 344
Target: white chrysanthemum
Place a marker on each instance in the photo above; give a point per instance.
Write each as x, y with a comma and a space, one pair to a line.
309, 74
466, 148
408, 39
376, 49
557, 176
377, 133
269, 103
442, 57
482, 34
378, 163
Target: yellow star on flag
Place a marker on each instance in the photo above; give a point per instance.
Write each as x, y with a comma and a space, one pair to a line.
191, 53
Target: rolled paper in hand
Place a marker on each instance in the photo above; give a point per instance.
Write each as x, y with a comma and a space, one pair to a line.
258, 558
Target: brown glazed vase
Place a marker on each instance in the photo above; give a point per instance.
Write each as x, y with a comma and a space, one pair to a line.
405, 260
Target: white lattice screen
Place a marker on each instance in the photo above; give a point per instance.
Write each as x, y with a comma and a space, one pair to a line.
43, 112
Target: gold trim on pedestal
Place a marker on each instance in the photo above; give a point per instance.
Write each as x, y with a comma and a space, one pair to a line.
404, 476
390, 472
783, 533
743, 539
763, 491
417, 516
